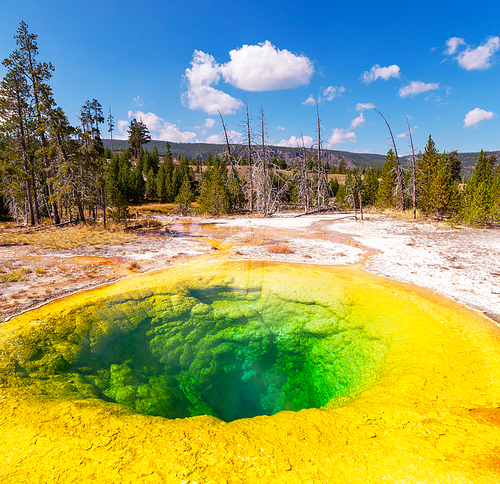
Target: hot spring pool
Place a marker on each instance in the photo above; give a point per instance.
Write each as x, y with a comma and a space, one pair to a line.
240, 370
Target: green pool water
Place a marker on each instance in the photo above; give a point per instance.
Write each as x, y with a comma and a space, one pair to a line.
208, 348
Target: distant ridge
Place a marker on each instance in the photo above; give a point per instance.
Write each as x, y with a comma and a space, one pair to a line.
359, 160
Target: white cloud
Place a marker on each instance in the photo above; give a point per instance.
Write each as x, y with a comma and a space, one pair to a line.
452, 45
234, 137
364, 106
200, 94
260, 67
377, 72
121, 129
214, 139
401, 135
294, 142
138, 100
340, 136
477, 115
416, 87
280, 128
158, 127
263, 67
310, 100
333, 91
209, 123
356, 122
480, 57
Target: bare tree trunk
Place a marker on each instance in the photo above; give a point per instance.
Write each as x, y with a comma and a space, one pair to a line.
321, 185
265, 181
249, 157
228, 146
414, 171
399, 171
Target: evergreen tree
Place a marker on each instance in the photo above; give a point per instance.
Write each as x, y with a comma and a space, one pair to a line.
454, 166
150, 185
154, 160
444, 190
386, 195
479, 200
426, 170
370, 186
138, 135
116, 192
185, 196
333, 186
215, 197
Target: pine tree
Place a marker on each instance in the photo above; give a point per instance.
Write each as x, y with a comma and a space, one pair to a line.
443, 192
151, 185
185, 196
386, 196
215, 197
426, 169
37, 74
479, 198
138, 135
370, 186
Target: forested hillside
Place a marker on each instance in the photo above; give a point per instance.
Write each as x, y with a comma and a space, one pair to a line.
52, 170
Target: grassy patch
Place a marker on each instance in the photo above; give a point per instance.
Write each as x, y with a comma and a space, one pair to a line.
15, 276
68, 237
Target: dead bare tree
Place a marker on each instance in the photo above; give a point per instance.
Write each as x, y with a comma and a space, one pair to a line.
321, 182
246, 124
400, 195
413, 171
228, 146
302, 176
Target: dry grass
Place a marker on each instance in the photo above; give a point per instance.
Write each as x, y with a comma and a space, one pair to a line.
15, 275
407, 215
280, 249
68, 237
153, 207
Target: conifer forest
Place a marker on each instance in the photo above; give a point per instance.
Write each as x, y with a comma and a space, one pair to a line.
53, 171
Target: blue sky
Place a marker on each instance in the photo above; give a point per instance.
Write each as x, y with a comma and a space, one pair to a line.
174, 64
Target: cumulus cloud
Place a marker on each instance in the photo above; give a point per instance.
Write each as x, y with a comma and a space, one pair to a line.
479, 58
310, 100
209, 123
293, 141
260, 67
416, 87
121, 129
138, 100
234, 137
340, 136
333, 91
377, 72
158, 127
364, 106
356, 122
280, 128
401, 135
452, 45
263, 67
477, 115
200, 94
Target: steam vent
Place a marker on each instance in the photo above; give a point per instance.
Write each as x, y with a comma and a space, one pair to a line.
250, 372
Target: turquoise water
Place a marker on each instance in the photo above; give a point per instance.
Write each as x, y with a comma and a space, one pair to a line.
228, 352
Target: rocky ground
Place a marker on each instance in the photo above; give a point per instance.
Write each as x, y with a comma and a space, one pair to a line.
458, 262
